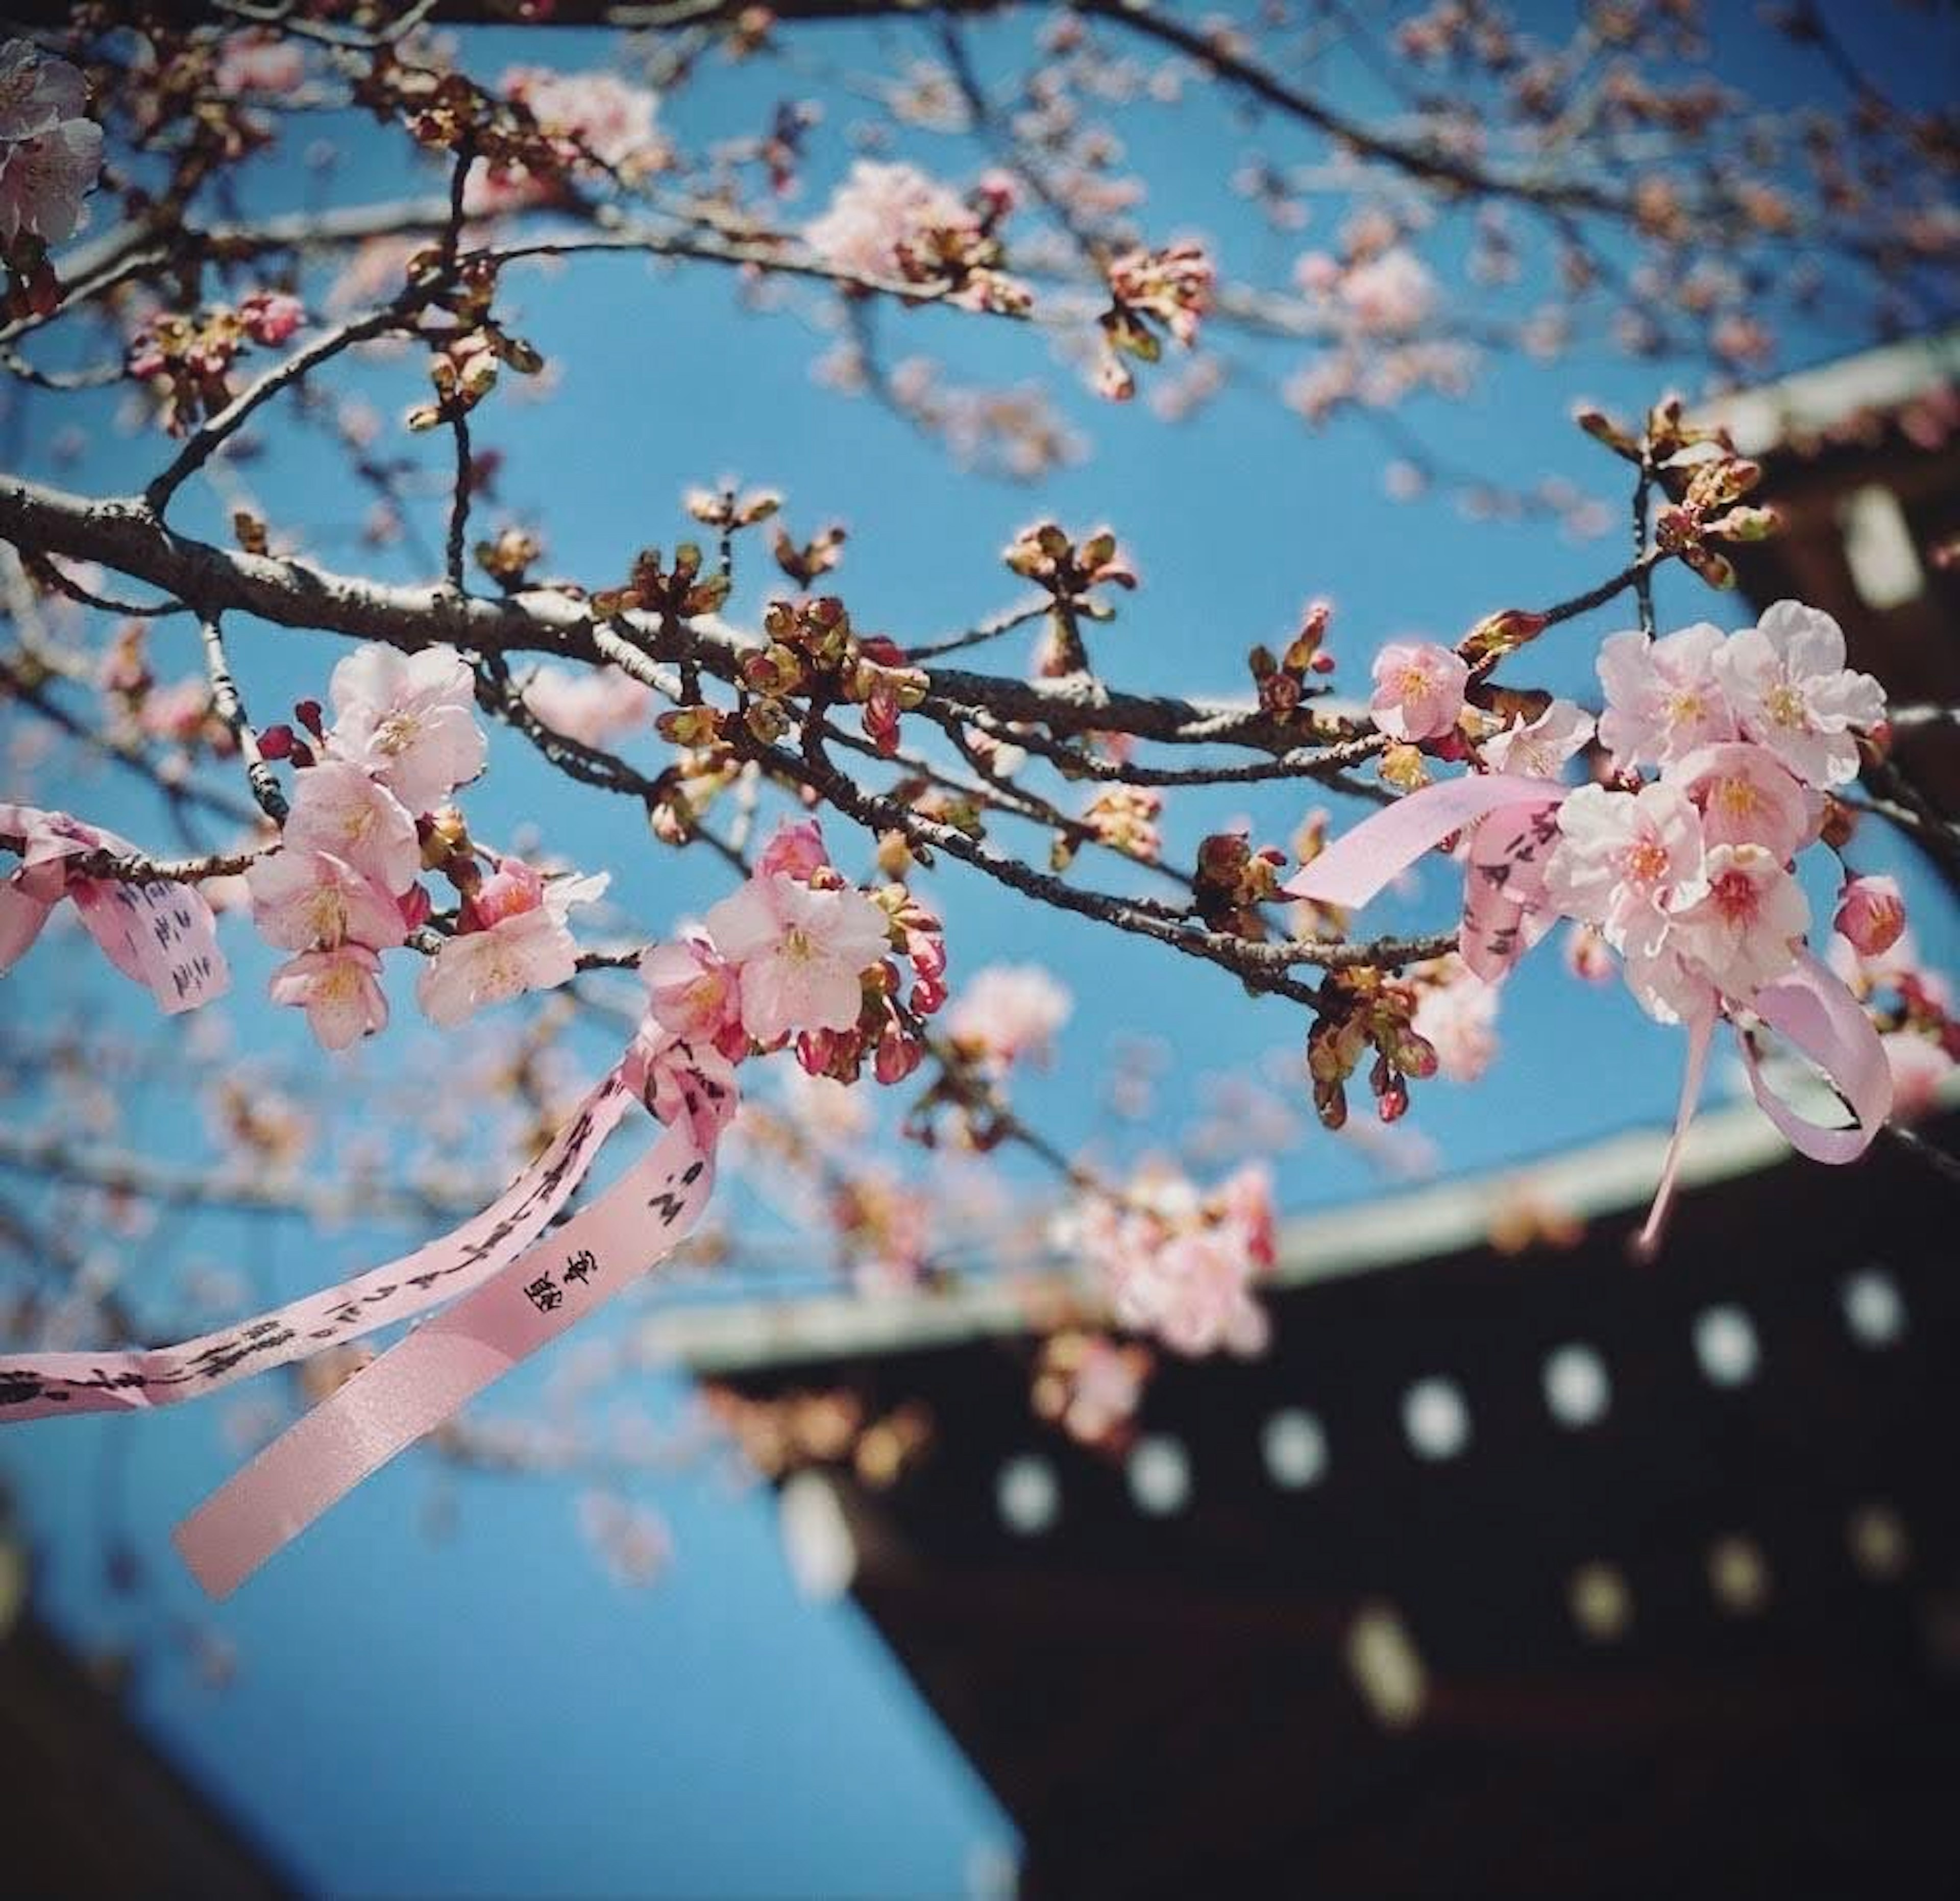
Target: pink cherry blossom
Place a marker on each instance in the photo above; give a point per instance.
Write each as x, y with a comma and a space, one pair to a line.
1871, 915
1919, 1070
1663, 697
1786, 679
802, 953
44, 179
271, 317
1745, 797
258, 61
696, 994
796, 850
1418, 689
306, 899
1179, 1265
340, 990
1742, 930
1620, 859
337, 808
408, 721
37, 90
1458, 1017
522, 949
1540, 748
605, 115
1010, 1013
1391, 295
877, 211
592, 706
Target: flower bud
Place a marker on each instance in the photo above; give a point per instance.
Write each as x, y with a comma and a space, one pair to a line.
1871, 915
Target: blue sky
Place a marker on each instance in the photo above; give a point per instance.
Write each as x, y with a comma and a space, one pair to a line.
492, 1711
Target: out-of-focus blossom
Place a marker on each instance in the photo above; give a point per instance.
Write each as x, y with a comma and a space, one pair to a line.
1010, 1013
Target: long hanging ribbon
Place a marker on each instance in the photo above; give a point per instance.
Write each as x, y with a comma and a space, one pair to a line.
418, 1383
35, 1385
1812, 1008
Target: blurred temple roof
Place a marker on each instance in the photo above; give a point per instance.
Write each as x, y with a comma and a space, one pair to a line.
1532, 1572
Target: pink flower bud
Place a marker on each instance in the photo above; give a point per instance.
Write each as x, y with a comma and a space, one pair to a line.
796, 850
1871, 915
512, 889
271, 317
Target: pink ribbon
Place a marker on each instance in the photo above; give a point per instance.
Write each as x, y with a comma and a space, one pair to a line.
37, 1385
162, 935
415, 1385
1813, 1009
1356, 866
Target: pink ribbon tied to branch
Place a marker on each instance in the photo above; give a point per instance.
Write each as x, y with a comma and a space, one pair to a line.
1504, 913
513, 1291
162, 935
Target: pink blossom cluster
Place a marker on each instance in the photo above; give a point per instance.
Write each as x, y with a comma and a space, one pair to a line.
1688, 876
1178, 1264
344, 885
879, 213
586, 117
50, 153
1009, 1013
799, 952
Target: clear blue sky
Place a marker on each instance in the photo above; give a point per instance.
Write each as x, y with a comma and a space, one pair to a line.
492, 1712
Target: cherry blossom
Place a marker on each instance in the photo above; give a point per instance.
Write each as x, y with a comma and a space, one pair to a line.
1745, 797
1391, 295
802, 953
340, 991
1920, 1069
37, 90
877, 211
1418, 689
591, 707
1179, 1265
695, 993
1010, 1013
1621, 859
306, 899
796, 850
44, 179
1742, 929
602, 113
1786, 679
1664, 699
1540, 748
1871, 915
524, 944
408, 721
1456, 1013
338, 809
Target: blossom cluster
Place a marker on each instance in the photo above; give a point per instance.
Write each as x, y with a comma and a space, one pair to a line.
186, 360
1688, 876
344, 885
798, 952
894, 224
1179, 1264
